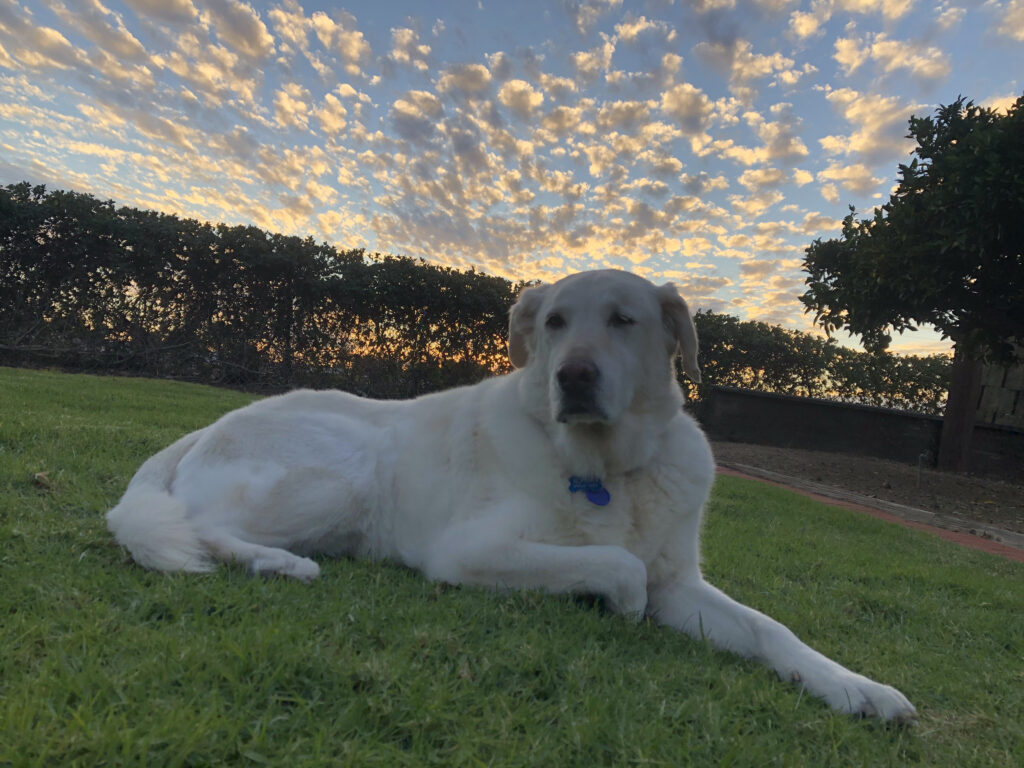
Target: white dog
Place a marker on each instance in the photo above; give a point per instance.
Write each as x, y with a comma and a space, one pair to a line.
579, 472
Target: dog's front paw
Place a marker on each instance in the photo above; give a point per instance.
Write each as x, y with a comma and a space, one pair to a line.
858, 695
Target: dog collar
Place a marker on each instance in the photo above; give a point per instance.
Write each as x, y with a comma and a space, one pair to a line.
592, 488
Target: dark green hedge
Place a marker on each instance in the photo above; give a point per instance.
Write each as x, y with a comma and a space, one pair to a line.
89, 285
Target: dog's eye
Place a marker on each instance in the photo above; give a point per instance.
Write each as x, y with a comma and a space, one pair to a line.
619, 320
554, 322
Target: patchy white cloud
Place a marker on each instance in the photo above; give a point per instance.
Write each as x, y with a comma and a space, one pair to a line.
415, 115
332, 114
170, 11
35, 46
340, 35
1010, 19
520, 98
746, 68
1001, 103
239, 27
584, 14
924, 61
809, 23
407, 49
950, 16
292, 106
763, 178
689, 106
467, 78
879, 121
752, 206
855, 177
633, 29
590, 63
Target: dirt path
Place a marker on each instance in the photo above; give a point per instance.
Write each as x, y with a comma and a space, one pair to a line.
961, 497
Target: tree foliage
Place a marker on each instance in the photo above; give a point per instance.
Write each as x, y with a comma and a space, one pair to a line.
748, 354
87, 284
947, 250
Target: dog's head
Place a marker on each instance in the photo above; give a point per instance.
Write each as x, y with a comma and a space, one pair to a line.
602, 343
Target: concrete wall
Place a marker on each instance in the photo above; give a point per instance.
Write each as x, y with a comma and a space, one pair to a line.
745, 416
1002, 396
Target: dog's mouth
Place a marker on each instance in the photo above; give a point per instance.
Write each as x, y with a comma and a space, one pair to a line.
577, 412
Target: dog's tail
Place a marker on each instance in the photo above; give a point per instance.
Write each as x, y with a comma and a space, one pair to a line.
152, 524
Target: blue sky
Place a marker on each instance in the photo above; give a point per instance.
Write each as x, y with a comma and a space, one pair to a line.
707, 143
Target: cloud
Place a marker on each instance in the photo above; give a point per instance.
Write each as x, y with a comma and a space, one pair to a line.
332, 115
587, 64
856, 177
467, 78
105, 28
406, 48
562, 121
239, 26
922, 61
214, 71
780, 137
626, 116
880, 125
292, 106
632, 28
1011, 19
850, 54
171, 11
1001, 103
689, 106
585, 13
661, 163
557, 87
744, 67
805, 24
816, 223
415, 116
755, 205
950, 17
339, 34
36, 46
520, 98
701, 183
763, 178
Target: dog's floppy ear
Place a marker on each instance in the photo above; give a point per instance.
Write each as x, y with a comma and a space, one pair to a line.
520, 324
679, 324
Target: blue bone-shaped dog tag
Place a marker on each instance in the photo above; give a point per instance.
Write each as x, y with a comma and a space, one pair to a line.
592, 488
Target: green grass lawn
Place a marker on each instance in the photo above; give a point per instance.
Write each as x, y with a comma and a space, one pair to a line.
104, 663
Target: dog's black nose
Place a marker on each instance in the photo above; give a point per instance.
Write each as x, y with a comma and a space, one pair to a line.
577, 376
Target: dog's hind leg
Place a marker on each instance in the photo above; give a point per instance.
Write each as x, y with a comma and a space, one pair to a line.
260, 559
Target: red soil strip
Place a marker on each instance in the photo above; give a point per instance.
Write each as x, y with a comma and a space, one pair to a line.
963, 539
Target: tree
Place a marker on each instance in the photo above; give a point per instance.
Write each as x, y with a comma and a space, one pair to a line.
947, 250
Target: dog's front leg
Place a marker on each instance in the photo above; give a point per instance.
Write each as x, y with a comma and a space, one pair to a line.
702, 611
475, 554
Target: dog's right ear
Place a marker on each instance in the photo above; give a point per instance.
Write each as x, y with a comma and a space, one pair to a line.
521, 321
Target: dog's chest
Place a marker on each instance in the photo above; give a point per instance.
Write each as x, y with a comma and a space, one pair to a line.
637, 515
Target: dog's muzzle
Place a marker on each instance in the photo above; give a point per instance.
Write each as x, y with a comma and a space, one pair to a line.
578, 381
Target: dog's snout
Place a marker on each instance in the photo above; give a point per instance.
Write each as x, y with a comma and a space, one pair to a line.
577, 376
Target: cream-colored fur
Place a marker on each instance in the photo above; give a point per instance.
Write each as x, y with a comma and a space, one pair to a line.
471, 485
